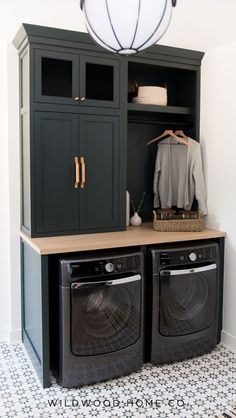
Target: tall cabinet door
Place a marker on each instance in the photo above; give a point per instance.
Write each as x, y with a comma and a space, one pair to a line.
100, 149
55, 195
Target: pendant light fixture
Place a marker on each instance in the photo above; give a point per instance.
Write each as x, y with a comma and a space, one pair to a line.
127, 26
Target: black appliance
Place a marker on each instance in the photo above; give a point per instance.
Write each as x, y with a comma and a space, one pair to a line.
101, 317
185, 302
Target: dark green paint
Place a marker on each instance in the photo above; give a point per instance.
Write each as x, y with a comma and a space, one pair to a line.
35, 310
60, 208
100, 146
47, 35
56, 145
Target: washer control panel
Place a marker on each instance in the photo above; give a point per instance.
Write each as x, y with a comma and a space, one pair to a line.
104, 266
184, 256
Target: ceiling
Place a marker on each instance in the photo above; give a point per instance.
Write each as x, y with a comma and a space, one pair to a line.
202, 24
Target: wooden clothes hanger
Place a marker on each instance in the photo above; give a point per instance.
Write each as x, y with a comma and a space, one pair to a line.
182, 134
169, 132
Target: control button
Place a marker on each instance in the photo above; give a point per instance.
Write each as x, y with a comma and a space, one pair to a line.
109, 267
193, 256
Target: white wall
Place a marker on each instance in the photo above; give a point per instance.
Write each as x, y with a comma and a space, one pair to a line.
5, 315
200, 25
218, 138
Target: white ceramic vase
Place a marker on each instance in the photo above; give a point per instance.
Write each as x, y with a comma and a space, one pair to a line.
135, 220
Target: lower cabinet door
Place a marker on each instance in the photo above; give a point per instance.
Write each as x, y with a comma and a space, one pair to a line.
100, 193
55, 197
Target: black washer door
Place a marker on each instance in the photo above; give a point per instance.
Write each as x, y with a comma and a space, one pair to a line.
105, 316
188, 300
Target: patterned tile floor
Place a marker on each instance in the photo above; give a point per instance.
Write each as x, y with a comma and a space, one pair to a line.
197, 388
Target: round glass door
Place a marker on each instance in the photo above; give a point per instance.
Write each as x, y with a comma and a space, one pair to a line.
106, 311
104, 318
187, 301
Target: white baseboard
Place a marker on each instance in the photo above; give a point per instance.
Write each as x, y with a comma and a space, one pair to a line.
4, 335
13, 336
228, 341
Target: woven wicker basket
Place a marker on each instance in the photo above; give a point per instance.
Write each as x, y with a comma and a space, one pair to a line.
178, 225
151, 95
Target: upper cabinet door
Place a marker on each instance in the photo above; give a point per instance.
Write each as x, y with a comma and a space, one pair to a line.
64, 78
56, 77
99, 82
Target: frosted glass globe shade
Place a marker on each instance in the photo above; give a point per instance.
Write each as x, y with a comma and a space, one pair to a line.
127, 26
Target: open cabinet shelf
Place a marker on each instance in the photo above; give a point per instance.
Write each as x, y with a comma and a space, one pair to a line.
178, 110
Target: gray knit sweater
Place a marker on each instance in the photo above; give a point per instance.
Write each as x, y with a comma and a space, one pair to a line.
178, 176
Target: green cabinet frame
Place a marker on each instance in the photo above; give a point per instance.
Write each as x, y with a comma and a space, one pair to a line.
35, 310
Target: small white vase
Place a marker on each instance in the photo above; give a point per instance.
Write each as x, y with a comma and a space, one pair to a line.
135, 220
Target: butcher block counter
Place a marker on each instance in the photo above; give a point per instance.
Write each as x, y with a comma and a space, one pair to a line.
142, 235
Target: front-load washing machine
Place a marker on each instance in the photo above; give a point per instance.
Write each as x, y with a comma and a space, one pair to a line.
101, 317
185, 302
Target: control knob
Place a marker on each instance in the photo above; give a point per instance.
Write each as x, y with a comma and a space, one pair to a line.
192, 257
109, 267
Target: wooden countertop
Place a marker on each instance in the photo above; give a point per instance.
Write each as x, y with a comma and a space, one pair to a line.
143, 235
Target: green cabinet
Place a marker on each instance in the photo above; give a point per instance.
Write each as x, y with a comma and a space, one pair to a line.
76, 173
78, 114
77, 79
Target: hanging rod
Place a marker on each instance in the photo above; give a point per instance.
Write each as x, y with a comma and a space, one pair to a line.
153, 122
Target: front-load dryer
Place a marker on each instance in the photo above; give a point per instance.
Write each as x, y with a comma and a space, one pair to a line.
185, 302
101, 317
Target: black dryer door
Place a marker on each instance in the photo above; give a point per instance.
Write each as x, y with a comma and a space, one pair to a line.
188, 300
105, 315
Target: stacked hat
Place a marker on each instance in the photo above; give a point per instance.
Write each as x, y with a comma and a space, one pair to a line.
151, 95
